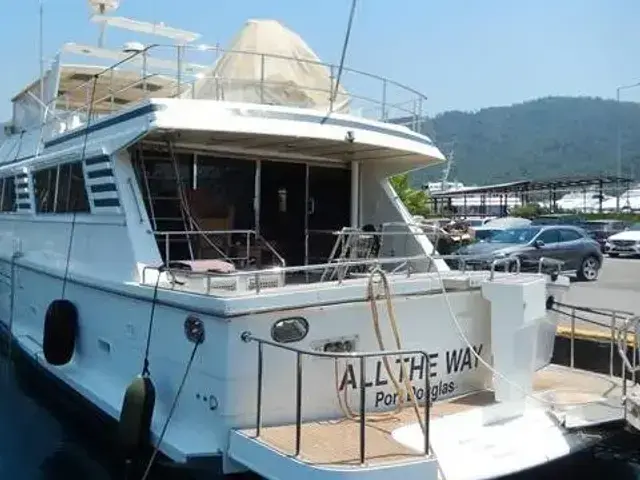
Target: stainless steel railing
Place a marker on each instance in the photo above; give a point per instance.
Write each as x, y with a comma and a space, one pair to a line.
629, 326
274, 271
616, 320
251, 238
556, 264
361, 356
264, 274
188, 71
507, 262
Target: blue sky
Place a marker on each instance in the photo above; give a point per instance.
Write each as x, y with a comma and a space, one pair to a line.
463, 54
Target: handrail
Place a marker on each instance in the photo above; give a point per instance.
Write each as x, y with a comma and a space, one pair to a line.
622, 336
248, 337
550, 261
180, 77
177, 233
258, 273
507, 261
615, 316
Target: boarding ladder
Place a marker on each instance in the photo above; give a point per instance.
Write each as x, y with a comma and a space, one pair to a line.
159, 219
186, 221
352, 244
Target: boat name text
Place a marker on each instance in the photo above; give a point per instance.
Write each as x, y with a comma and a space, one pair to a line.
456, 361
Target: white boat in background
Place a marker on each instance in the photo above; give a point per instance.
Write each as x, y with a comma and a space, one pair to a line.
473, 204
584, 201
217, 226
627, 201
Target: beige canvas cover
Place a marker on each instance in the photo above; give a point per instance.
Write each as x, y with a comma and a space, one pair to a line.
268, 63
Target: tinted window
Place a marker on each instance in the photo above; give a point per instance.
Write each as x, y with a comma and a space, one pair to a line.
514, 235
551, 235
604, 226
72, 194
485, 234
44, 186
593, 226
60, 189
8, 198
567, 235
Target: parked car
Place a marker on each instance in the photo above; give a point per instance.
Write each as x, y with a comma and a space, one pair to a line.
569, 244
600, 230
626, 242
559, 218
495, 225
476, 222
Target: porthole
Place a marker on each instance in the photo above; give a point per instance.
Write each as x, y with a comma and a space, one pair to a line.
289, 330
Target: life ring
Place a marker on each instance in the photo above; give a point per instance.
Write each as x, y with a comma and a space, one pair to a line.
60, 332
134, 427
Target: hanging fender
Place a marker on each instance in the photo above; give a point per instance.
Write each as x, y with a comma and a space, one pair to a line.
60, 332
134, 427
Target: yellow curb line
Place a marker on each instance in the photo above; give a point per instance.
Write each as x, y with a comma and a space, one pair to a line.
591, 334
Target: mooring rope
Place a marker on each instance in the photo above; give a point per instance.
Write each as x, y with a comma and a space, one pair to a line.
156, 450
404, 378
154, 301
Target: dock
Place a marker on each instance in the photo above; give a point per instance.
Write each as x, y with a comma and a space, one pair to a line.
594, 346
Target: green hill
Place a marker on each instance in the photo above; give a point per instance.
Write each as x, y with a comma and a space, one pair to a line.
540, 139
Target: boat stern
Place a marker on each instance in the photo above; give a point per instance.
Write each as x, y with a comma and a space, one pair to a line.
325, 455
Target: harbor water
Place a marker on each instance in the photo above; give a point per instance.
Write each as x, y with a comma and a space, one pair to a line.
41, 440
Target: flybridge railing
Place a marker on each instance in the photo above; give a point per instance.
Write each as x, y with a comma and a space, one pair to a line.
206, 72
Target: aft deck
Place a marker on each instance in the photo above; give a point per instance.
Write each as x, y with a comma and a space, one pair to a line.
336, 443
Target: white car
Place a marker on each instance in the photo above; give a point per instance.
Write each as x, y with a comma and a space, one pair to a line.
478, 221
624, 243
498, 224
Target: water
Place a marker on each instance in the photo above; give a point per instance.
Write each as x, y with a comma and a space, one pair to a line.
40, 441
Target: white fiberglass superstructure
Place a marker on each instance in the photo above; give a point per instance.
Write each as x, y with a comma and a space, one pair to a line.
225, 225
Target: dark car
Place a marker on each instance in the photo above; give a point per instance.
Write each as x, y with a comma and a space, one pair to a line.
559, 218
567, 243
600, 230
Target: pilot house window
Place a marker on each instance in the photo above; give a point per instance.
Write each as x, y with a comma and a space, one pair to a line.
60, 189
8, 199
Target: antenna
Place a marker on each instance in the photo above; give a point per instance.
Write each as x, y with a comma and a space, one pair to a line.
447, 170
102, 7
41, 48
334, 94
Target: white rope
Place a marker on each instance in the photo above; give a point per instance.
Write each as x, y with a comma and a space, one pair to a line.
481, 360
400, 391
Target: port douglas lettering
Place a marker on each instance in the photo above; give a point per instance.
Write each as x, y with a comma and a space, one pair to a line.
456, 361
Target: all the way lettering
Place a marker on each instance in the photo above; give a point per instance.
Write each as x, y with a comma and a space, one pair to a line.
462, 359
414, 367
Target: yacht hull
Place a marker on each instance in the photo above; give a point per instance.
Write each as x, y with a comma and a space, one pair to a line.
219, 395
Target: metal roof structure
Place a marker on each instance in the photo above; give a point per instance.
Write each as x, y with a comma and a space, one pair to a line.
534, 185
